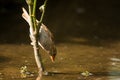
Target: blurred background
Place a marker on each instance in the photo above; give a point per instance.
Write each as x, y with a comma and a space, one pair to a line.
65, 18
87, 37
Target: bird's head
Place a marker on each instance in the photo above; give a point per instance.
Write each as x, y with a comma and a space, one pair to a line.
53, 53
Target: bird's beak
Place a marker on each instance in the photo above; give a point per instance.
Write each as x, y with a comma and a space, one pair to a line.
52, 58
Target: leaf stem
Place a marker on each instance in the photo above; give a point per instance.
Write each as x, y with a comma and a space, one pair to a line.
34, 8
43, 12
34, 15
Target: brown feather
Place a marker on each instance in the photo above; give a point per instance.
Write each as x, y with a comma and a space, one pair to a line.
46, 41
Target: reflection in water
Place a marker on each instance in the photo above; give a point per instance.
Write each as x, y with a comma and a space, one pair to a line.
114, 69
115, 59
113, 78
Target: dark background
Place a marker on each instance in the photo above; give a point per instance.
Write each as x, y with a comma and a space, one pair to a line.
65, 18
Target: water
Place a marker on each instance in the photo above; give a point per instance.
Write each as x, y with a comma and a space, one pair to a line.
74, 57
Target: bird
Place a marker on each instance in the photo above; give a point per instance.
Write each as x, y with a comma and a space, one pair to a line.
46, 41
45, 37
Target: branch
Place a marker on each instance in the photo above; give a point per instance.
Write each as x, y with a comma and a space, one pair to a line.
42, 9
34, 30
26, 16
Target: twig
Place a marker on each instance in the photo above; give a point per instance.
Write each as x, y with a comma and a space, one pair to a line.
42, 8
34, 31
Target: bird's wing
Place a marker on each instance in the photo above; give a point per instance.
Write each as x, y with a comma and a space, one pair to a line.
46, 41
46, 38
